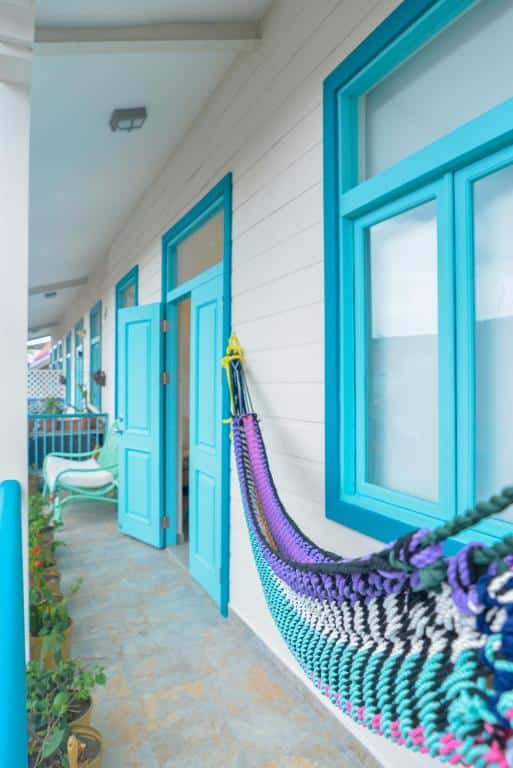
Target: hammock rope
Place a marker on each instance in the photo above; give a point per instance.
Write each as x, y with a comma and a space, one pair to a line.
416, 646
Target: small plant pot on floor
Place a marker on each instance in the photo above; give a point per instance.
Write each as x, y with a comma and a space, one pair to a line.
52, 577
86, 750
36, 647
46, 534
83, 750
80, 713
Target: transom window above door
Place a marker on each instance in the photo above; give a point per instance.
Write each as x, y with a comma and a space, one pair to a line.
197, 248
419, 276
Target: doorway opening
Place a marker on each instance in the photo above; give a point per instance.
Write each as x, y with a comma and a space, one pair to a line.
183, 427
196, 271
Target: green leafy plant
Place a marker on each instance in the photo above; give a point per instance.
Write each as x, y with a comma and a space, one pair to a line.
41, 525
85, 398
48, 613
52, 697
52, 405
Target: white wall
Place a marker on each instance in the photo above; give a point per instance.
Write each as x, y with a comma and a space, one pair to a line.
14, 143
264, 123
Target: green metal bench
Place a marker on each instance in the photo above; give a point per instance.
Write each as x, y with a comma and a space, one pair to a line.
90, 476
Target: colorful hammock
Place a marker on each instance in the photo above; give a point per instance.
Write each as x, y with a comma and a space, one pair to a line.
413, 645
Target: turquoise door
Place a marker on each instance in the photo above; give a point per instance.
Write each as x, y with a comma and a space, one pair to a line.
206, 434
79, 365
139, 415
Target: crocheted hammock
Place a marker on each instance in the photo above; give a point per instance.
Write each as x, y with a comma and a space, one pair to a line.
413, 645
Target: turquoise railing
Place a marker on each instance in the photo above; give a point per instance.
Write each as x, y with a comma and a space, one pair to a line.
13, 715
63, 433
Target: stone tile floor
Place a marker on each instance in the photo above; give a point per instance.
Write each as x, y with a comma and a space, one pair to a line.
186, 688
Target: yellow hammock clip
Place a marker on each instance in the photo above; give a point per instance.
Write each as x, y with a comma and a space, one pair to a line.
233, 352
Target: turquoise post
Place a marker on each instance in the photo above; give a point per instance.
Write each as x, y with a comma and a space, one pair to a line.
13, 717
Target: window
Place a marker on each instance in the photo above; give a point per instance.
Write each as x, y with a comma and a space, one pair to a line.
127, 295
67, 369
95, 354
419, 279
197, 251
79, 365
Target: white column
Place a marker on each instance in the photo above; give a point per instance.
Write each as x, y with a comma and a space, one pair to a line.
16, 33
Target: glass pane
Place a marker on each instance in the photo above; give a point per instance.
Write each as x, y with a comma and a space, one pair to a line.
493, 236
201, 250
460, 74
402, 353
128, 296
95, 325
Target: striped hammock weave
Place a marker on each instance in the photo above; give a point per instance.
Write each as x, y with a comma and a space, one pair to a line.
415, 646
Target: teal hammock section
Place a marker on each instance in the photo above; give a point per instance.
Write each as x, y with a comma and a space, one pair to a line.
413, 645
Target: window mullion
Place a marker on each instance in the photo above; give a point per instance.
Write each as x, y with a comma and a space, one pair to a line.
447, 349
464, 263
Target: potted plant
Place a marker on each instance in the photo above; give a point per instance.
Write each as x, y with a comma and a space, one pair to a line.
84, 748
75, 678
100, 378
42, 562
52, 407
41, 526
50, 625
54, 699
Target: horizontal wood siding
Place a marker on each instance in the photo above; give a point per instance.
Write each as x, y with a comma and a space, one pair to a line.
264, 124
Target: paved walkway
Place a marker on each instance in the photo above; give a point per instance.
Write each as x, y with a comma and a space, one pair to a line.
186, 688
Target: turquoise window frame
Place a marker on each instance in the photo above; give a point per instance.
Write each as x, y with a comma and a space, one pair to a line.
60, 357
95, 354
217, 199
67, 368
356, 397
465, 337
349, 206
131, 277
79, 380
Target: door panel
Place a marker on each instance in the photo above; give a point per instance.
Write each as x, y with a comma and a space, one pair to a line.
205, 459
140, 410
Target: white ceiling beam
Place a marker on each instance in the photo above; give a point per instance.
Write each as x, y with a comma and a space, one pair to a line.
146, 38
16, 36
43, 327
57, 286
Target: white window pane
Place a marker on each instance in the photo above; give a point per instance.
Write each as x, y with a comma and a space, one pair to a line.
128, 296
460, 74
402, 353
493, 238
201, 250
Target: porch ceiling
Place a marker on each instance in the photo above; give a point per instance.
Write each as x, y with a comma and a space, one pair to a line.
93, 12
88, 60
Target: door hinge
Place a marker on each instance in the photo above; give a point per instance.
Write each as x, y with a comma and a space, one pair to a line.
165, 377
164, 521
164, 326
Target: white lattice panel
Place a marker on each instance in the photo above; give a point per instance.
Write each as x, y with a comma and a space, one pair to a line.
44, 383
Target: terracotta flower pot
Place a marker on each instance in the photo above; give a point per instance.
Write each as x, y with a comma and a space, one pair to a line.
51, 572
36, 644
84, 750
84, 710
54, 584
52, 578
46, 534
89, 748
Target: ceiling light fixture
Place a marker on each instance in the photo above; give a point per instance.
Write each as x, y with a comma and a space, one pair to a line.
128, 119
